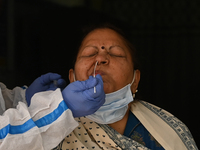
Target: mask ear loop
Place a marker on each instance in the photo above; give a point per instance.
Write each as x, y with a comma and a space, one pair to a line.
95, 75
132, 83
133, 77
74, 77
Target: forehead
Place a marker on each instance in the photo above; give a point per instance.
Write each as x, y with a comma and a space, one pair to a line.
103, 36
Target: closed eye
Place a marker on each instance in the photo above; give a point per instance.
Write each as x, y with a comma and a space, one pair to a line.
117, 51
89, 51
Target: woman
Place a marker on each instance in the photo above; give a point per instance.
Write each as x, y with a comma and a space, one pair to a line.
103, 83
121, 122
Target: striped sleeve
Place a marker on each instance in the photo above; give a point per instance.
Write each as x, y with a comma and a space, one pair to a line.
43, 125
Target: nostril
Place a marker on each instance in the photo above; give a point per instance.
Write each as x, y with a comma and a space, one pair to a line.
102, 58
103, 62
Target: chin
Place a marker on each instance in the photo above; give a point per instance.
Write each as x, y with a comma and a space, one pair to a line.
107, 90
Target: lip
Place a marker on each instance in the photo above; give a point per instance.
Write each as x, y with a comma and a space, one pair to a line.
99, 72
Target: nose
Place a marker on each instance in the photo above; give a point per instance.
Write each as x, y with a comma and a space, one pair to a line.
102, 58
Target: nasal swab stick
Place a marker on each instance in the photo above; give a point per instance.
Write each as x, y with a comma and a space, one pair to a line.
95, 75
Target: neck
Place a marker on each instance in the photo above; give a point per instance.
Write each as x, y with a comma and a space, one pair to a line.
120, 125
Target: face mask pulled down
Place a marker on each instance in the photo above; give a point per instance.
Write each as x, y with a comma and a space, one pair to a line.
115, 106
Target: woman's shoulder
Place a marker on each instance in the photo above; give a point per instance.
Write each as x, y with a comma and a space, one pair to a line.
151, 107
164, 116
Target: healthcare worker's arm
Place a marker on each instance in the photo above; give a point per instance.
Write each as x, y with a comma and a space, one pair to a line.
10, 98
41, 126
48, 120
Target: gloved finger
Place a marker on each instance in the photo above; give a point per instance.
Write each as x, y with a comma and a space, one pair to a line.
99, 87
49, 77
99, 78
51, 87
90, 83
95, 96
61, 83
90, 94
85, 85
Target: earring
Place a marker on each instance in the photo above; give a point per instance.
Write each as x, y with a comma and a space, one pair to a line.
134, 93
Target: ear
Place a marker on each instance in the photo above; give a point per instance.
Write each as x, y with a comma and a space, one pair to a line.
136, 81
71, 75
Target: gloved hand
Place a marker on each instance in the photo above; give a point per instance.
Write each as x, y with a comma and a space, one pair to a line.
44, 83
80, 97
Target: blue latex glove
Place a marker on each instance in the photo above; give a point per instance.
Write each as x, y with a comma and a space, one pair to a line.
80, 97
44, 83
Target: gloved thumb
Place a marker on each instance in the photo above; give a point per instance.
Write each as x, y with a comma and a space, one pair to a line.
99, 78
61, 83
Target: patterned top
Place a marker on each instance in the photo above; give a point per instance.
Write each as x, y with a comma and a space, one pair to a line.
176, 125
90, 135
136, 131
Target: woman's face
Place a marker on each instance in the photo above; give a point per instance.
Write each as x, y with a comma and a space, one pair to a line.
114, 60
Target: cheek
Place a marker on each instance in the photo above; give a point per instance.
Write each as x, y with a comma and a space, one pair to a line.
81, 71
123, 73
122, 67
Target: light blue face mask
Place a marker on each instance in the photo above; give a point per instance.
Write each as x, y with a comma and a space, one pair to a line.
115, 106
